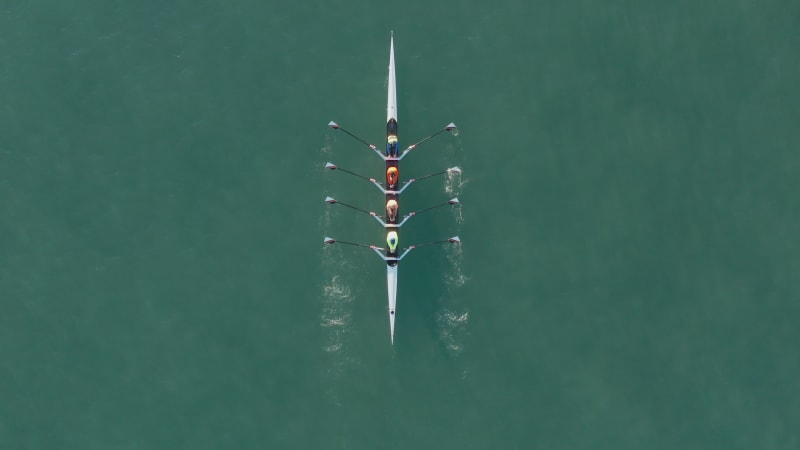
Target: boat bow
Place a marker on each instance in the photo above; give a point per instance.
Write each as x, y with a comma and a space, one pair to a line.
391, 101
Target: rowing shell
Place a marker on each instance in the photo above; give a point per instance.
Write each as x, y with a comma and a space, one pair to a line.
392, 190
391, 141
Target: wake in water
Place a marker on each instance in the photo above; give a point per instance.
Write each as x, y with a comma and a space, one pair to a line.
327, 149
453, 185
335, 318
335, 315
454, 317
452, 320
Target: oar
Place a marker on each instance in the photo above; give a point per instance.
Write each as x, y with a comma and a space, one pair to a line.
452, 201
333, 166
336, 126
452, 240
329, 240
450, 126
408, 183
333, 201
448, 171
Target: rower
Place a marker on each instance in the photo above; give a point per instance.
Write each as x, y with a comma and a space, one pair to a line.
391, 241
391, 145
392, 174
391, 137
391, 210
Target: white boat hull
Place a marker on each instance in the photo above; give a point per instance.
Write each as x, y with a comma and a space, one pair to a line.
391, 102
392, 189
391, 285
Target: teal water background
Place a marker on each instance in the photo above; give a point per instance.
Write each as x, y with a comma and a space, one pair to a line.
628, 277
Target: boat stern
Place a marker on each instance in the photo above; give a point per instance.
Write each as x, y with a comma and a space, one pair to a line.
391, 285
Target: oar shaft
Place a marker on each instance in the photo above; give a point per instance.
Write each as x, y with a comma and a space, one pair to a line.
354, 244
433, 207
355, 208
354, 174
357, 138
431, 175
444, 241
427, 139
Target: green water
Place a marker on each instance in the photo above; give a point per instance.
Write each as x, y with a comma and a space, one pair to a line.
628, 277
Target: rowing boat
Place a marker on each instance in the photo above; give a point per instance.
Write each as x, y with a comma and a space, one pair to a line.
392, 189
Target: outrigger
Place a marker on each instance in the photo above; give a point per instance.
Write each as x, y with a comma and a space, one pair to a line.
392, 190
